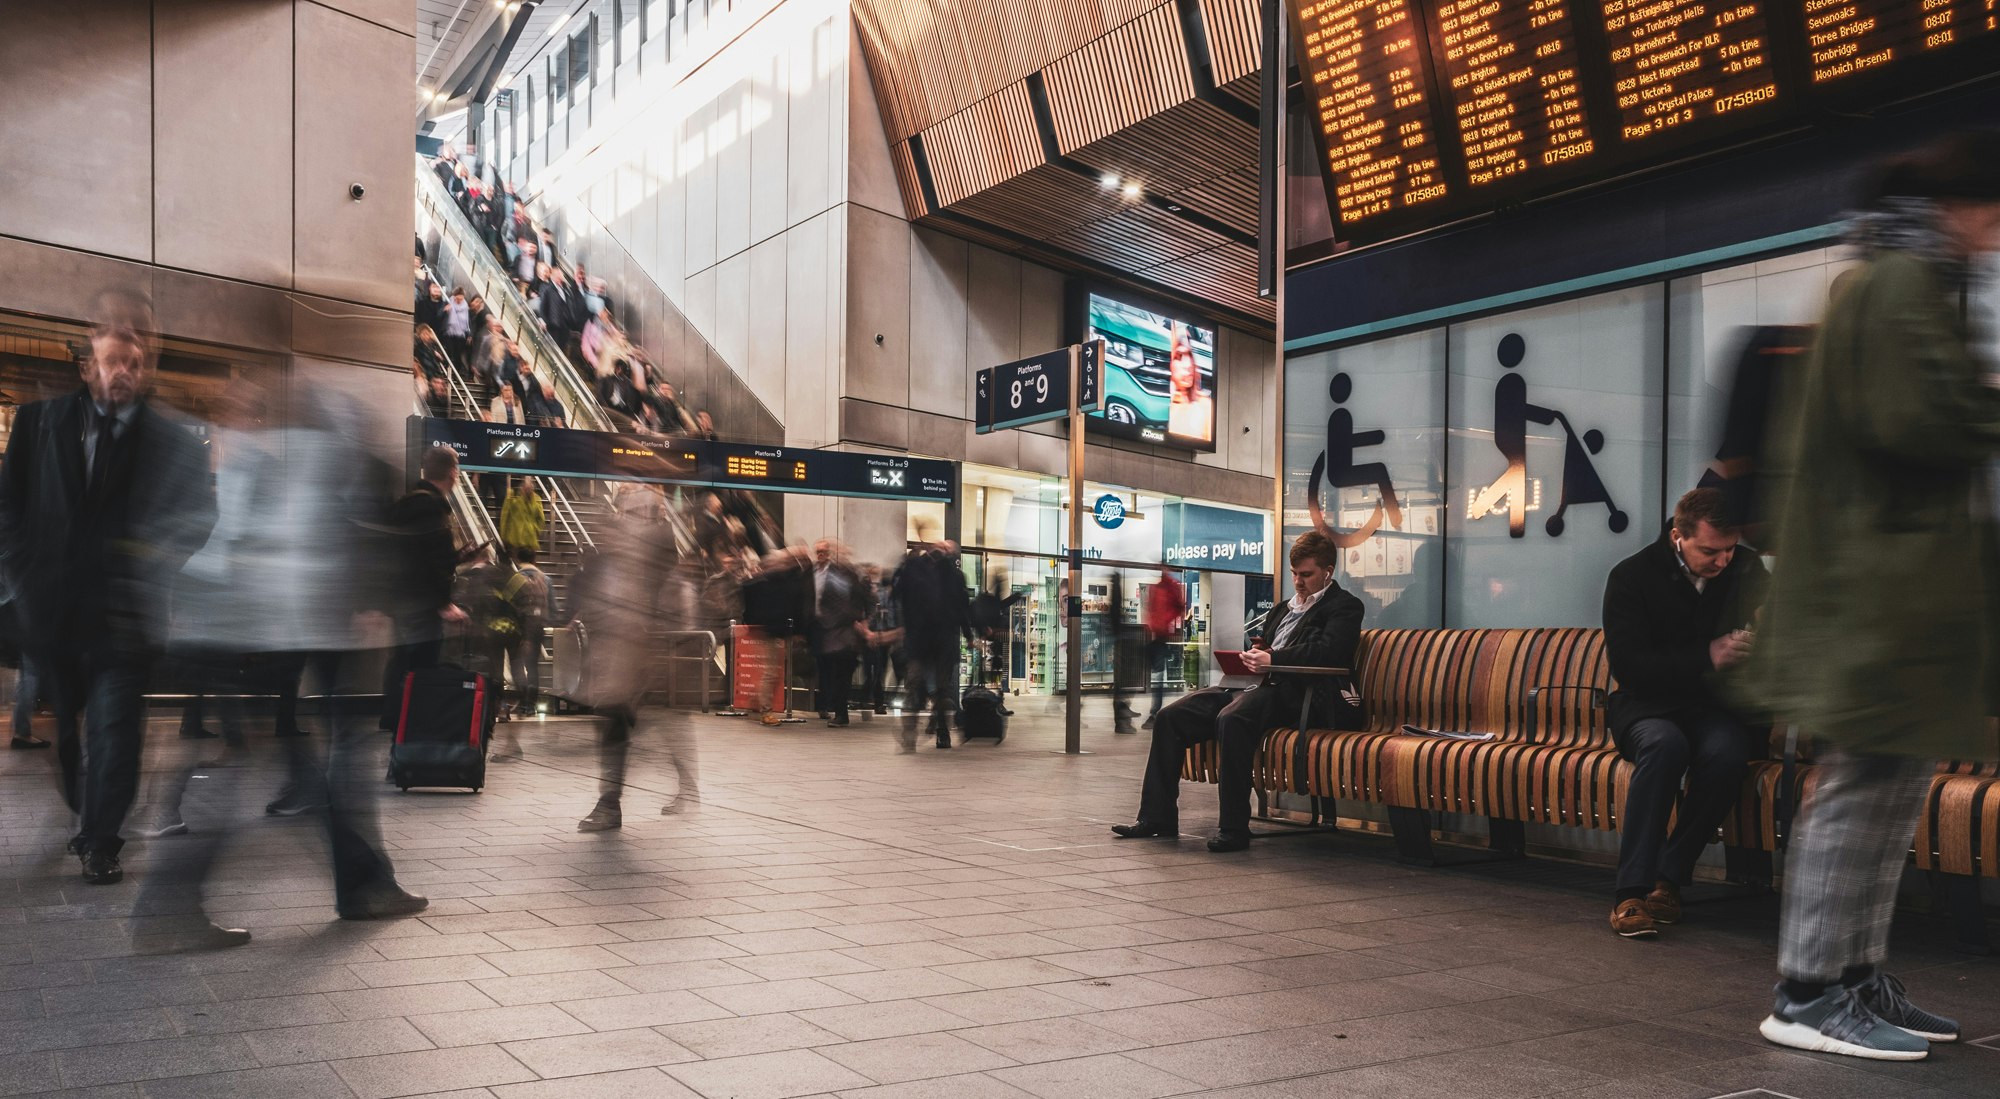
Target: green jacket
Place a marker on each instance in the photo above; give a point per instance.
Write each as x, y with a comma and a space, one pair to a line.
1878, 634
521, 522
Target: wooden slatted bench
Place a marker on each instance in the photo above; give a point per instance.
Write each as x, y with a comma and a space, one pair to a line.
1552, 761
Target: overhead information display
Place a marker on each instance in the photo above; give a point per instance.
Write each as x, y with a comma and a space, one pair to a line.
1430, 110
1368, 81
1677, 63
1512, 80
1853, 38
622, 456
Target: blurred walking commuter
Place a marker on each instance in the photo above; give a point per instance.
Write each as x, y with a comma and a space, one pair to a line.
522, 517
286, 598
1879, 637
420, 559
842, 603
102, 499
778, 602
618, 597
27, 692
1166, 609
936, 615
885, 637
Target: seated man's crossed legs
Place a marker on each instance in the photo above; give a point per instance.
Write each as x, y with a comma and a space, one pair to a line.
1239, 720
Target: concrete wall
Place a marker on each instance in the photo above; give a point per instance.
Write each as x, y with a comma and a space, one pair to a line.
206, 151
752, 183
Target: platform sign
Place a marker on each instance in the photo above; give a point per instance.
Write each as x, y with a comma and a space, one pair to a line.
1036, 389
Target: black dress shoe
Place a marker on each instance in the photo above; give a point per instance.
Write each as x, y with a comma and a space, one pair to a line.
1229, 841
837, 722
102, 869
1144, 830
381, 903
199, 734
21, 742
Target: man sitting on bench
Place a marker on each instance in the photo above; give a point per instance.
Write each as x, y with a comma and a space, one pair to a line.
1675, 613
1319, 627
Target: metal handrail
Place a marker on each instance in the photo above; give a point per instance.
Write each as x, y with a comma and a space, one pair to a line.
565, 511
462, 390
497, 287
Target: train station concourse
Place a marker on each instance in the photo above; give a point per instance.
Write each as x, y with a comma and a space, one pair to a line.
766, 549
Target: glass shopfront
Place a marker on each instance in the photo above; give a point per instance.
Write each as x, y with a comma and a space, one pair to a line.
1014, 530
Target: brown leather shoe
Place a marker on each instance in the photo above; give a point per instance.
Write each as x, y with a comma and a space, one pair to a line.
1631, 920
1664, 902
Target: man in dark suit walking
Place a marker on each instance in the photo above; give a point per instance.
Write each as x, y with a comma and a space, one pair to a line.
102, 500
1320, 626
420, 574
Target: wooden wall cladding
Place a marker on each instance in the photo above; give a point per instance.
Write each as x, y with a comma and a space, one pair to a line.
1235, 39
904, 156
990, 142
1131, 74
933, 58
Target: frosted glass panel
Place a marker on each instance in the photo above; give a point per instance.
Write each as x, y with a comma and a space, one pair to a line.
1555, 457
1365, 446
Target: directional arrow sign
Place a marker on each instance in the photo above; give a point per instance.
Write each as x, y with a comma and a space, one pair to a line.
1090, 393
982, 401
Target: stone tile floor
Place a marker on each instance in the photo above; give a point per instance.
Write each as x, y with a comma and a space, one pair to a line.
840, 919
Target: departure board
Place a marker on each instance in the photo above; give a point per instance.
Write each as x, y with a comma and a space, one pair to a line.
1675, 63
1368, 83
1852, 38
1428, 110
1514, 87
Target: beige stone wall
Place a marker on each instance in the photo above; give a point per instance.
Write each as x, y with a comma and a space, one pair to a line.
206, 151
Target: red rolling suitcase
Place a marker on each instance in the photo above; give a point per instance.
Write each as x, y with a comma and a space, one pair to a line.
442, 729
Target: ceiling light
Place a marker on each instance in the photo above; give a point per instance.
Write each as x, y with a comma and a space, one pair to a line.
425, 92
1108, 181
558, 28
1131, 191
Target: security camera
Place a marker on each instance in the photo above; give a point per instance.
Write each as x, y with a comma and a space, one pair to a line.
355, 191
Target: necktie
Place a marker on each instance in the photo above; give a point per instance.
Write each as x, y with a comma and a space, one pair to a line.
100, 449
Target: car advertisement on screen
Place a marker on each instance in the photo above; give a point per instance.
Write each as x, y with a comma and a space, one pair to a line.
1159, 374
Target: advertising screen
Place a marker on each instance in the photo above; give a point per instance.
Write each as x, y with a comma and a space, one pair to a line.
1159, 374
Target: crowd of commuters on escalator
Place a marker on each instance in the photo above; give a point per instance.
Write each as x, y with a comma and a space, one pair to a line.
574, 309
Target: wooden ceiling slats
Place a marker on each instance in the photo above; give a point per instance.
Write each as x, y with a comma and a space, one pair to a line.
1235, 38
1122, 101
1248, 90
983, 146
1135, 72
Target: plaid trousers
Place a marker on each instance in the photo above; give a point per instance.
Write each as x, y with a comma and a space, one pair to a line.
1846, 863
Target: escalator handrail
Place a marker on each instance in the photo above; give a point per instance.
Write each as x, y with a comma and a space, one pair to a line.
485, 272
